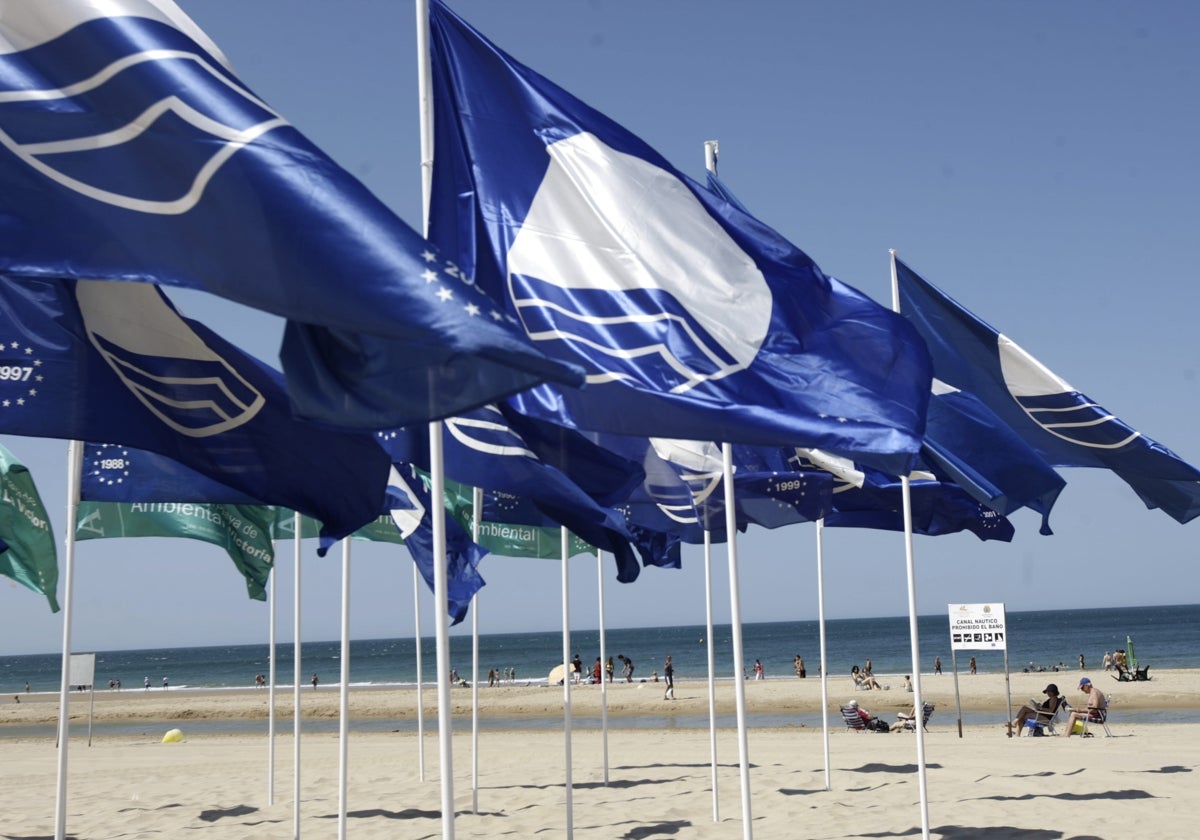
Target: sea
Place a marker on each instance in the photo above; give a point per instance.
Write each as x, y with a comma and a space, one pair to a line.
1045, 640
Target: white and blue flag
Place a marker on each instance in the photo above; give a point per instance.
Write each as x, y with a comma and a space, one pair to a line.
116, 363
130, 150
1065, 426
692, 319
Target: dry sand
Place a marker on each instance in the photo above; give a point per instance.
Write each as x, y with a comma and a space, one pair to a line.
1141, 783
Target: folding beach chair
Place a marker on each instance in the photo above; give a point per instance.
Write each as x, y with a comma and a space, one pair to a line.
853, 719
911, 724
1099, 716
1043, 722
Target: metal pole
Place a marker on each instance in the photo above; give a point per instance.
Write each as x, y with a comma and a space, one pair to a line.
824, 664
74, 479
603, 662
735, 617
476, 515
441, 588
296, 691
712, 670
566, 651
271, 686
344, 697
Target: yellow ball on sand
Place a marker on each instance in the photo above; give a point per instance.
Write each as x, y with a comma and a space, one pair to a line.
173, 737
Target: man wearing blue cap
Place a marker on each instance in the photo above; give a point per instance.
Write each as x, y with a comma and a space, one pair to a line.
1097, 706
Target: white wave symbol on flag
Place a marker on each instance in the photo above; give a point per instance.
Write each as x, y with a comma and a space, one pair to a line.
154, 140
620, 262
1051, 403
162, 361
488, 436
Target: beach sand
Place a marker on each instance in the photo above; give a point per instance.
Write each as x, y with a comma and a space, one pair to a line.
1140, 783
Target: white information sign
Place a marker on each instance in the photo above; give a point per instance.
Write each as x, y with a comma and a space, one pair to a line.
82, 669
977, 627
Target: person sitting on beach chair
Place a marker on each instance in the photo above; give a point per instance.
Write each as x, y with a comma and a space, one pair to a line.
862, 720
909, 721
1097, 707
1042, 714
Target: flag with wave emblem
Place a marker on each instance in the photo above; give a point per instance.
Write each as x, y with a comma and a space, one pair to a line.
1064, 425
130, 150
692, 319
116, 363
483, 449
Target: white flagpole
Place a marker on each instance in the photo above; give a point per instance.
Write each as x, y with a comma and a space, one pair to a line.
824, 664
603, 663
712, 669
735, 617
442, 625
271, 685
344, 696
417, 584
711, 150
914, 637
74, 480
476, 515
566, 652
425, 109
296, 690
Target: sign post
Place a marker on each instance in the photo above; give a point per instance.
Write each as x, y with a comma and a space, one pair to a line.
82, 670
978, 627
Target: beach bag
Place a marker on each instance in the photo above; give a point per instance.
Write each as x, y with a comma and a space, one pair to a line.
1077, 729
880, 725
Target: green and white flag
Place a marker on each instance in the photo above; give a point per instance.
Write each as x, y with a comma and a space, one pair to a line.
382, 529
32, 556
244, 531
507, 540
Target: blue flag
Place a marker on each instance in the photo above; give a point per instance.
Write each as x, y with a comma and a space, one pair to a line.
692, 319
982, 455
129, 150
116, 363
483, 450
1065, 426
113, 472
866, 498
411, 505
684, 490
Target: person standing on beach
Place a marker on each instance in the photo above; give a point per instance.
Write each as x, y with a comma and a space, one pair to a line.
669, 675
972, 665
1107, 660
798, 666
937, 664
27, 686
165, 684
608, 668
1081, 666
758, 669
147, 681
315, 679
597, 671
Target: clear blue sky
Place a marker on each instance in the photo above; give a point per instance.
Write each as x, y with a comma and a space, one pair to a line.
1037, 161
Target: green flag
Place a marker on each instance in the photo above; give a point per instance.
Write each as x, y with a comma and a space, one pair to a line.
508, 540
382, 529
32, 557
244, 531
